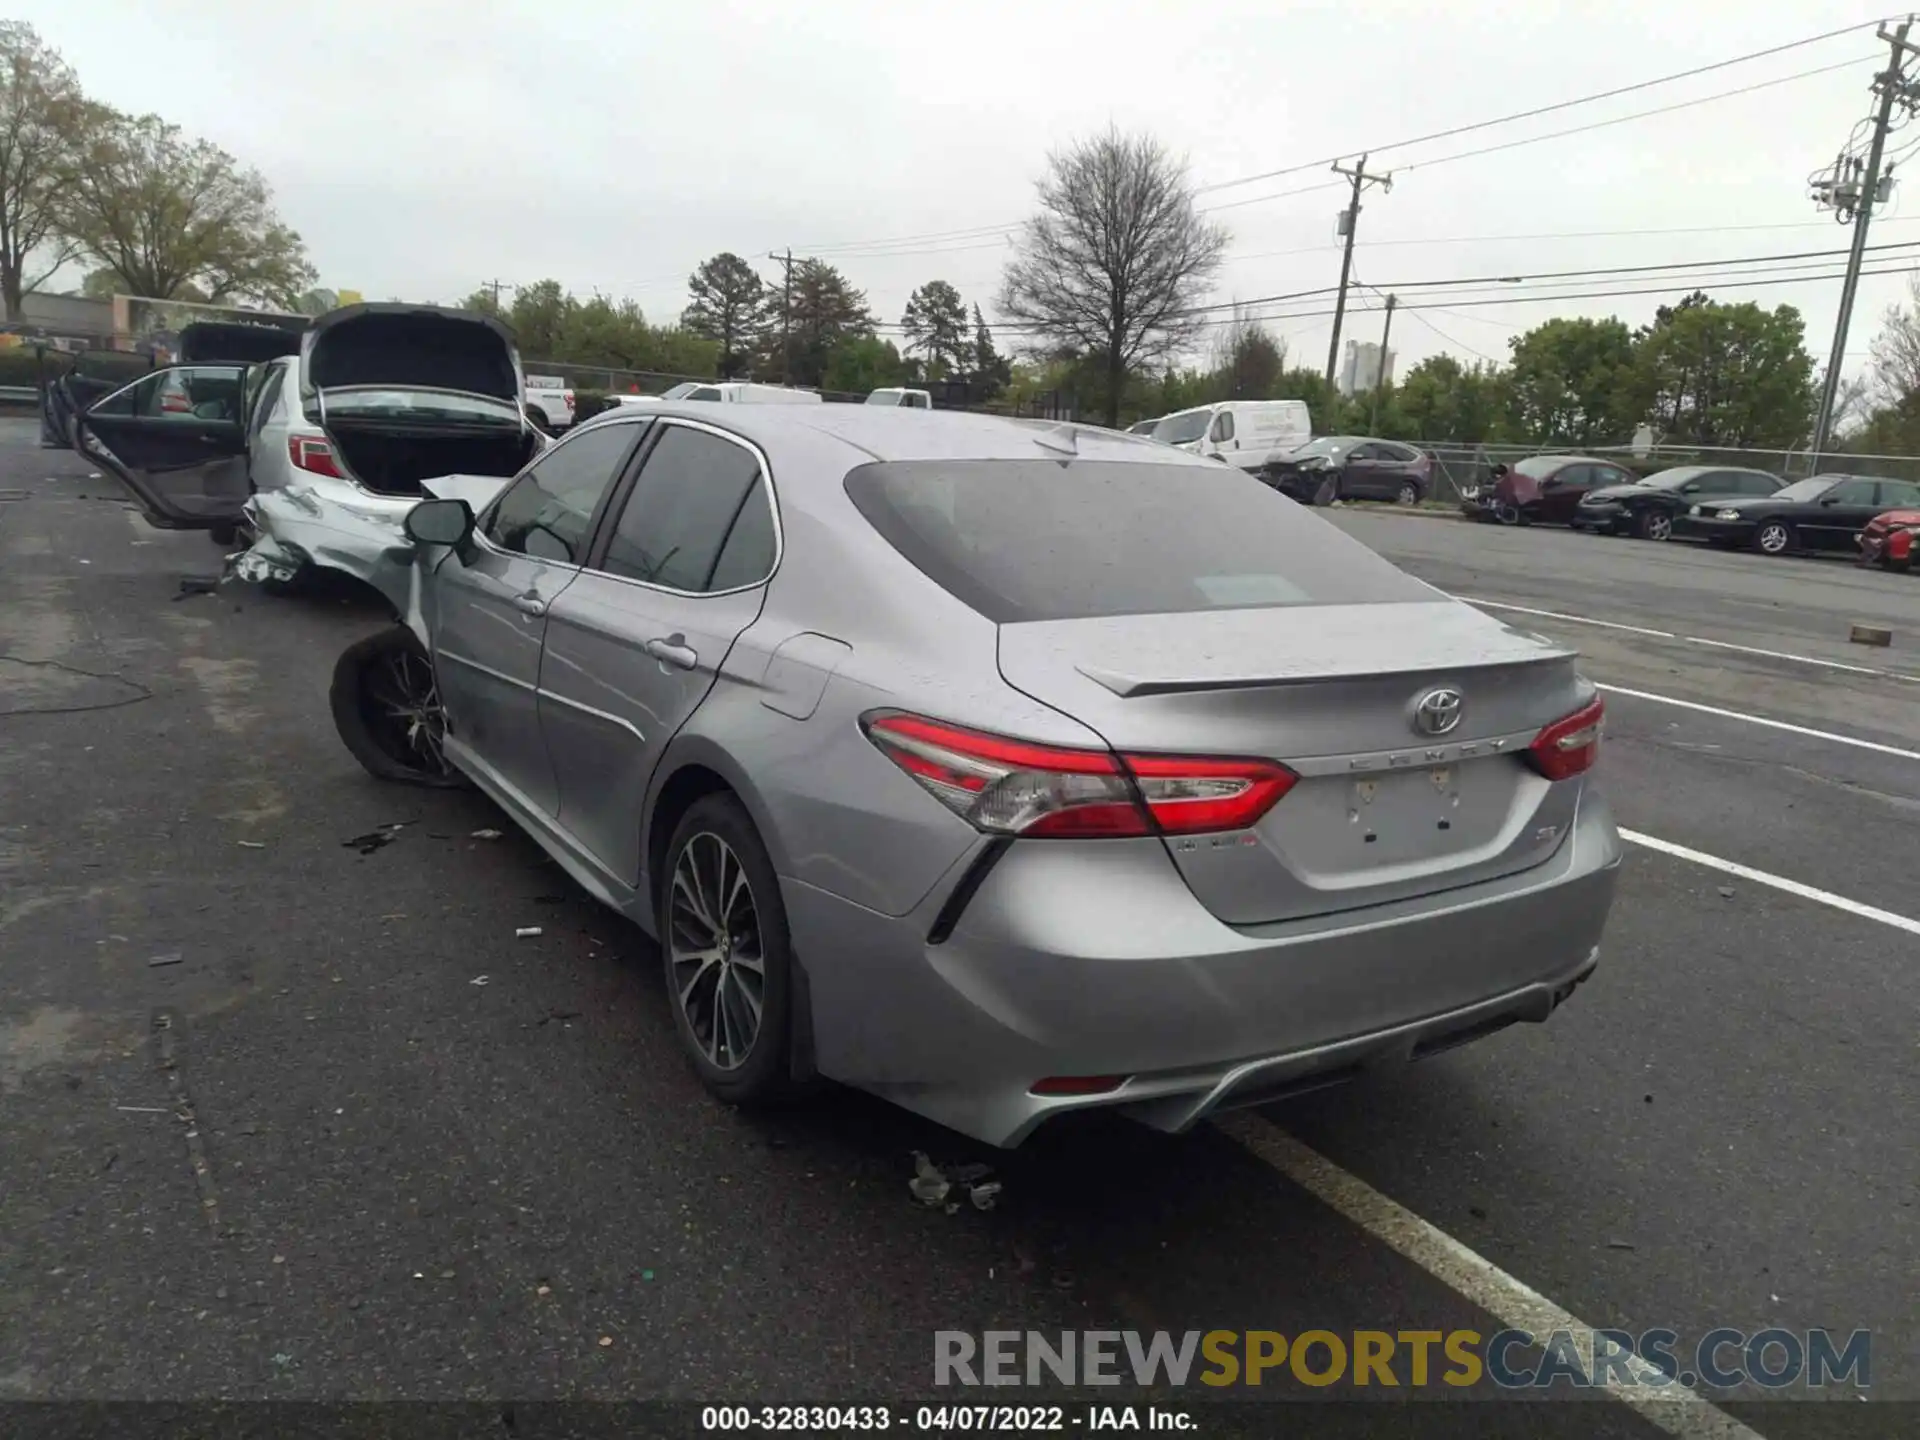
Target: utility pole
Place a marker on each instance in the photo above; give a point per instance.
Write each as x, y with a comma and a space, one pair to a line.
1852, 195
786, 315
1380, 371
496, 286
1349, 222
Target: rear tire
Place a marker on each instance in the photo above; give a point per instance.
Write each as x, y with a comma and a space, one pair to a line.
386, 706
1407, 494
1653, 525
1774, 537
727, 954
1507, 513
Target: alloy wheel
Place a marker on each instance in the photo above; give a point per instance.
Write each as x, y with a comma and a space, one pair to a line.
1409, 494
400, 703
1659, 525
1773, 538
718, 965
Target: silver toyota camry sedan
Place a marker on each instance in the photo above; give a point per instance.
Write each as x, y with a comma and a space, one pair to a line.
998, 768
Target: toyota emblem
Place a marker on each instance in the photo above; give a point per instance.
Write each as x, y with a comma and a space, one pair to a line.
1437, 712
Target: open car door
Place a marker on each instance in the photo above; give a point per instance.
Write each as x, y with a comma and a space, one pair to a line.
177, 439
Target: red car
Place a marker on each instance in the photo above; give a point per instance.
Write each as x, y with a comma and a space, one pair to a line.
1891, 539
1541, 488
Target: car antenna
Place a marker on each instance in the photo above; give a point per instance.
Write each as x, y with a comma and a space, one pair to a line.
1061, 439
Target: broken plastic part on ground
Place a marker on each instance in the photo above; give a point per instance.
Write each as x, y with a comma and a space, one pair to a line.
937, 1186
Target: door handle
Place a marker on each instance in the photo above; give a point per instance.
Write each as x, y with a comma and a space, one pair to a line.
530, 604
674, 651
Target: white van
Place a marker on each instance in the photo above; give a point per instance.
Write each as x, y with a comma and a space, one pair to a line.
899, 396
727, 392
1244, 433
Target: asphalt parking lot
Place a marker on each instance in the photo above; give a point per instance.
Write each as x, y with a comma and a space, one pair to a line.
283, 1117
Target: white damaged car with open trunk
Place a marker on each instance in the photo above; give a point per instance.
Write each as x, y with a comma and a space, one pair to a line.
309, 462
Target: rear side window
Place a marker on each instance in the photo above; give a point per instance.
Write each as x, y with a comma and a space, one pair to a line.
1020, 540
698, 519
1903, 493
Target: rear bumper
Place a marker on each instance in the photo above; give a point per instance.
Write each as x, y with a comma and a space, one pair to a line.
323, 524
1095, 959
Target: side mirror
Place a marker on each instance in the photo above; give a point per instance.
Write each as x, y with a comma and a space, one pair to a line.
1497, 472
440, 522
1829, 500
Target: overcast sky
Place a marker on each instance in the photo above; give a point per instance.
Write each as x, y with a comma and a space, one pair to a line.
423, 147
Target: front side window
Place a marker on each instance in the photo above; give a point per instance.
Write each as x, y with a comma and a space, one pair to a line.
1854, 492
548, 512
1223, 426
1021, 540
698, 518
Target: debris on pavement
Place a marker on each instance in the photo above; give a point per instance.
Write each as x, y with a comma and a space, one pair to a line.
935, 1186
376, 838
526, 932
478, 980
1620, 1245
251, 844
486, 834
1726, 892
171, 957
605, 1341
197, 585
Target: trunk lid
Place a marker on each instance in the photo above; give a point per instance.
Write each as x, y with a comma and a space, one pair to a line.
1382, 810
214, 342
407, 347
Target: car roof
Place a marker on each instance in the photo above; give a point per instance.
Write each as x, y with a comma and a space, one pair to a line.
866, 433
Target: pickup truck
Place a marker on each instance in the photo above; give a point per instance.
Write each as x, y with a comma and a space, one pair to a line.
550, 399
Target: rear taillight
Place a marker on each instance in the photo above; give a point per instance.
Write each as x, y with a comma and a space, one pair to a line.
313, 455
1568, 747
1011, 787
569, 400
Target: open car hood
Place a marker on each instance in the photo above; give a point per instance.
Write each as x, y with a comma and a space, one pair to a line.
412, 347
217, 342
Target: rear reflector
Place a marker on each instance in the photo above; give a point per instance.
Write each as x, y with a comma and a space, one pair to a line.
313, 455
1078, 1085
1569, 747
1011, 787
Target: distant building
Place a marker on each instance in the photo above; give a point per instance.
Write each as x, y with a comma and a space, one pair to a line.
1361, 370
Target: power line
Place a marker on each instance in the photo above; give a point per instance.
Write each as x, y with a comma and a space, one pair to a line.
1548, 109
1557, 235
1523, 298
1637, 115
852, 247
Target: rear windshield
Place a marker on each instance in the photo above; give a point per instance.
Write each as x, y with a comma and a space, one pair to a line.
425, 405
1538, 467
1021, 540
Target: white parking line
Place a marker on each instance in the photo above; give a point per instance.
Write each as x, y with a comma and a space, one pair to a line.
1574, 619
1667, 1404
1694, 640
1836, 738
1777, 882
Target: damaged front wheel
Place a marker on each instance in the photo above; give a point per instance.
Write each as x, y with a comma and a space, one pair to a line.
386, 706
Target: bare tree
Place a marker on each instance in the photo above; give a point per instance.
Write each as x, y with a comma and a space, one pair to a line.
1896, 352
1117, 261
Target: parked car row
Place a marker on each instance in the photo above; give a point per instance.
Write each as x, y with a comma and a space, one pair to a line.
1728, 506
903, 734
1274, 440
